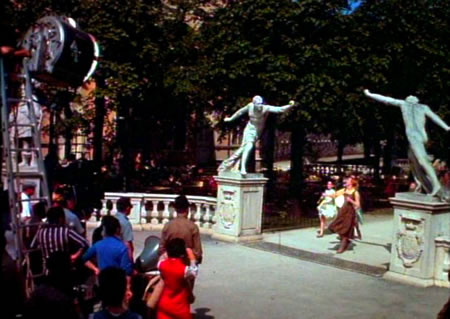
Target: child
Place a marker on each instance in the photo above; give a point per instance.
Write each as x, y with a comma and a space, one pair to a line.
177, 292
110, 251
327, 208
115, 293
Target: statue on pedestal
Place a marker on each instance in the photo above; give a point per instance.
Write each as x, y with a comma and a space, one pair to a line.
414, 116
257, 112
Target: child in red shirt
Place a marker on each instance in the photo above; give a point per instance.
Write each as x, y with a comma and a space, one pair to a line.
177, 292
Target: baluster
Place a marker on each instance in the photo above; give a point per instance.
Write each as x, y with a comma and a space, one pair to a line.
198, 214
213, 215
154, 214
207, 216
144, 214
166, 212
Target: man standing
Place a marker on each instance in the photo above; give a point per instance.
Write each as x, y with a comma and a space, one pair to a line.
59, 199
124, 207
414, 117
182, 227
56, 236
28, 191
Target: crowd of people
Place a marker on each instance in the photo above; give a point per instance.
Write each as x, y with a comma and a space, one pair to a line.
64, 263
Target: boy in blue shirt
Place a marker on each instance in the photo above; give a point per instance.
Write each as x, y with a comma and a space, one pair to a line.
110, 251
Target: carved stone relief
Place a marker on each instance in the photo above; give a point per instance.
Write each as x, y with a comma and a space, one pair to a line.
227, 211
410, 240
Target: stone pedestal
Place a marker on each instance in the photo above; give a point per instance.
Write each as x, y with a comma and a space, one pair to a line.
239, 206
418, 220
442, 264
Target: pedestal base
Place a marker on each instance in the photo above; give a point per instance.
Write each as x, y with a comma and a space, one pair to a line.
239, 206
409, 280
418, 220
236, 239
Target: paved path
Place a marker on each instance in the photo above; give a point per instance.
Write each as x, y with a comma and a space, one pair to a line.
238, 281
374, 249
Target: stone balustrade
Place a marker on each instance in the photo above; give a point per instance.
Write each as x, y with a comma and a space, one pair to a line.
331, 169
442, 263
154, 210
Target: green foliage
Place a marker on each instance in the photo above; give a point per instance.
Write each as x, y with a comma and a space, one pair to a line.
160, 68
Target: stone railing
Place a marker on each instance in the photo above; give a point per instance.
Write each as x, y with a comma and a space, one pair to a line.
442, 262
157, 209
332, 169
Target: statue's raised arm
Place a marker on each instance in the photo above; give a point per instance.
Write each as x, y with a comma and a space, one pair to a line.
436, 119
280, 109
383, 99
237, 114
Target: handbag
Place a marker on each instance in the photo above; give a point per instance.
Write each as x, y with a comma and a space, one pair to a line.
153, 292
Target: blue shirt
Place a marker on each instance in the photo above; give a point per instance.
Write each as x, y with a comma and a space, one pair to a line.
110, 252
126, 230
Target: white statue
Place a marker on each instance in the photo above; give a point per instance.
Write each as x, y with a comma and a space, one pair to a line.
19, 114
414, 116
257, 112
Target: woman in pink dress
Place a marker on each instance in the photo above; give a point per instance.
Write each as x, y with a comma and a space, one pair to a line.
177, 292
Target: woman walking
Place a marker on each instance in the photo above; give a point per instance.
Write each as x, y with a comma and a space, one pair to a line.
346, 220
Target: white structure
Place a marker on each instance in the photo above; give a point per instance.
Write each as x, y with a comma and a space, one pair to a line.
152, 211
420, 245
239, 206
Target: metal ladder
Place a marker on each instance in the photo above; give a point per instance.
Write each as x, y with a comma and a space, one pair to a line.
11, 170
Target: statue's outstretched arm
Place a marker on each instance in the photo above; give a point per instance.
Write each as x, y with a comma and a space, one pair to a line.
237, 114
436, 119
383, 99
280, 109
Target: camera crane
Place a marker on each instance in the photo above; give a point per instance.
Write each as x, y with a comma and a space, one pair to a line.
57, 53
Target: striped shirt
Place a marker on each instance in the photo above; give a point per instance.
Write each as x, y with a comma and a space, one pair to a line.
52, 238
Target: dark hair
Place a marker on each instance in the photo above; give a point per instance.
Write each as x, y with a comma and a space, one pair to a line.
39, 210
112, 286
176, 248
181, 203
110, 225
123, 203
54, 214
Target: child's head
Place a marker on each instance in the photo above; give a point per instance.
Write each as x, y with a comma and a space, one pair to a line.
111, 225
176, 248
55, 216
113, 286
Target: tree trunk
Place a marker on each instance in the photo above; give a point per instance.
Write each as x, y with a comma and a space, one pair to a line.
298, 139
179, 139
251, 164
98, 127
268, 150
367, 148
377, 151
387, 156
68, 135
340, 150
123, 143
